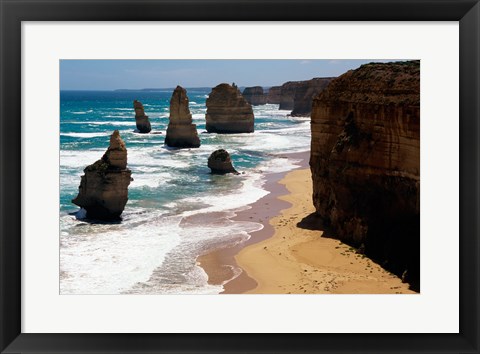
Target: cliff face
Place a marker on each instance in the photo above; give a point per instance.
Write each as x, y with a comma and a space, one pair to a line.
181, 132
365, 162
228, 111
305, 91
142, 121
103, 190
287, 94
274, 94
254, 95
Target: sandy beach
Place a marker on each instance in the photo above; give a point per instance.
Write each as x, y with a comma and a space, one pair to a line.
291, 255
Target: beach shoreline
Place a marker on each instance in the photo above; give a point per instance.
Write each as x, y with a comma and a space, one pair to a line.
219, 264
291, 254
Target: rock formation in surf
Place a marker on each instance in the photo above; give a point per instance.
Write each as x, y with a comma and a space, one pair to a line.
305, 91
220, 163
143, 123
287, 95
103, 190
228, 112
274, 94
181, 133
254, 95
365, 162
298, 95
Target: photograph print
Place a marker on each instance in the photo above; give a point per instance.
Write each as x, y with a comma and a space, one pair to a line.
239, 177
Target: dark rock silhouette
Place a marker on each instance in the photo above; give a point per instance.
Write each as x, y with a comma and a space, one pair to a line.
103, 190
254, 95
219, 162
181, 132
228, 112
365, 162
304, 94
143, 123
274, 94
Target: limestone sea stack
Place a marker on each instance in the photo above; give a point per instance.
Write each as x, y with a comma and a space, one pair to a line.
143, 123
274, 94
181, 133
365, 162
228, 112
287, 95
220, 163
254, 95
103, 190
305, 91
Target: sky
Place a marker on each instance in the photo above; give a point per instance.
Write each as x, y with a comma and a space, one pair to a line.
139, 74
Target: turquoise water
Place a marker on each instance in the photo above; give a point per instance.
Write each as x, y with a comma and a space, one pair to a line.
176, 210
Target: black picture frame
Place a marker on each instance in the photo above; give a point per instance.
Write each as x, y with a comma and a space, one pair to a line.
13, 12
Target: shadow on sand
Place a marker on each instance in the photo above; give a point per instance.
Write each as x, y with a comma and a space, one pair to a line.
315, 222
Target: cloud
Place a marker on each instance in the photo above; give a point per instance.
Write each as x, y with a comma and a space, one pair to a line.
303, 62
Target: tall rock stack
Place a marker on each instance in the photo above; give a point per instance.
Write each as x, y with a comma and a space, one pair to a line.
365, 162
103, 190
143, 123
274, 94
304, 94
228, 112
181, 133
254, 95
287, 94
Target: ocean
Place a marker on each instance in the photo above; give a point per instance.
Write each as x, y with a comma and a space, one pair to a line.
176, 210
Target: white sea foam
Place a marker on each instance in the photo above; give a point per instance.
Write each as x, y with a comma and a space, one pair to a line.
250, 191
278, 164
79, 158
110, 258
84, 135
83, 112
152, 179
120, 116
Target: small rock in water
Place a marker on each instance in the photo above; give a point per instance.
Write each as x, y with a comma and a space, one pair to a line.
219, 162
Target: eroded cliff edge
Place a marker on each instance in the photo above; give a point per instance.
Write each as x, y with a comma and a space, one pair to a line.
365, 163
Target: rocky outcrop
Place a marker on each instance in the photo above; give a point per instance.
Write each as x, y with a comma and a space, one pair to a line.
143, 123
365, 162
228, 111
103, 190
254, 95
305, 91
220, 163
274, 94
287, 95
181, 133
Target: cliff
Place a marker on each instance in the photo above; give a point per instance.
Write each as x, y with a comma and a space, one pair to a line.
254, 95
305, 91
228, 111
181, 132
287, 94
142, 121
274, 94
103, 190
365, 163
